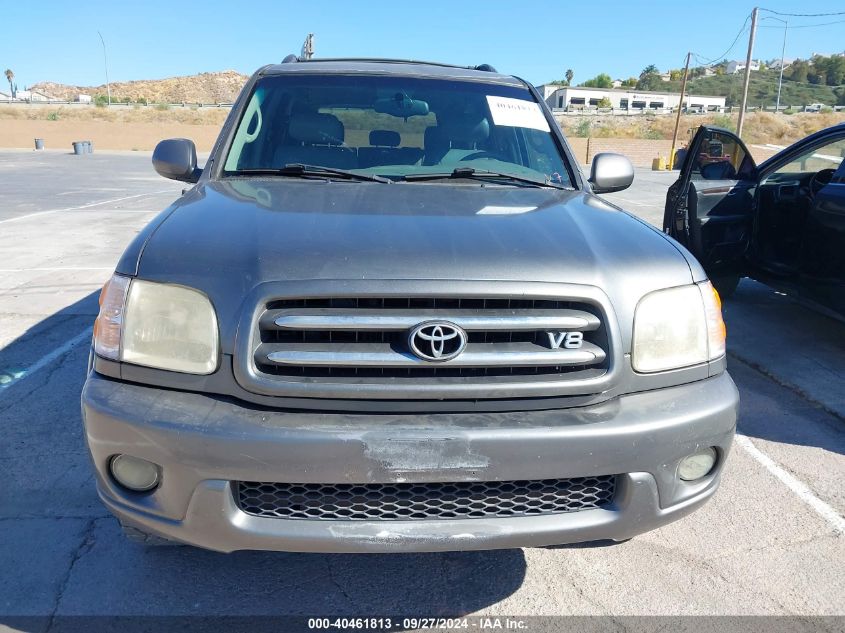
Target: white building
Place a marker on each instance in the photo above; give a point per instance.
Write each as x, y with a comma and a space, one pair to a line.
787, 62
548, 89
735, 67
33, 95
573, 98
83, 98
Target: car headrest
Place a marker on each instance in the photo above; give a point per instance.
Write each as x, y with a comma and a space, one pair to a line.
435, 137
465, 128
385, 138
316, 129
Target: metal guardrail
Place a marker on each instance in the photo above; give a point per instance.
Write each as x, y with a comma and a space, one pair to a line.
595, 111
114, 104
580, 111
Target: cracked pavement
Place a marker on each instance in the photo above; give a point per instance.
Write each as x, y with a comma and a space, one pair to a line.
756, 548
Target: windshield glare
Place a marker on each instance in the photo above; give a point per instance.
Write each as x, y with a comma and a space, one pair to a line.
393, 127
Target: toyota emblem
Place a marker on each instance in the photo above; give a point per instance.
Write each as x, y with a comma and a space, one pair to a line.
437, 341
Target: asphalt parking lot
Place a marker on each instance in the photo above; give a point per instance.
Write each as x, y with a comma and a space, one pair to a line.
771, 542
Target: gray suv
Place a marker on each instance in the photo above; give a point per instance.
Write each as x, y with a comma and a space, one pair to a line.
391, 314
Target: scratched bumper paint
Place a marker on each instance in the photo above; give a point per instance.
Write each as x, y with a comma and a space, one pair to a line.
203, 444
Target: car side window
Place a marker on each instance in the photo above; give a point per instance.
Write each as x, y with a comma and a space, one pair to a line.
839, 176
720, 157
829, 156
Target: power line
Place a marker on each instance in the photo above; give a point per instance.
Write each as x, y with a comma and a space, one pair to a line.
804, 15
800, 26
730, 48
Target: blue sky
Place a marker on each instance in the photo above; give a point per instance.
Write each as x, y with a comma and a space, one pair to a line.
535, 39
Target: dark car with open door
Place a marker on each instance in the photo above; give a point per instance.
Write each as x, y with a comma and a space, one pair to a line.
781, 222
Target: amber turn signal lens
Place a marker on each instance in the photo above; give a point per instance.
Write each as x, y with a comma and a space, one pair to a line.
109, 323
716, 330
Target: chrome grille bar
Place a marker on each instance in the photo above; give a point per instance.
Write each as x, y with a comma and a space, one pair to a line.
395, 320
382, 355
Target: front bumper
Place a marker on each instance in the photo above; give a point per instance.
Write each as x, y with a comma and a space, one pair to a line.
204, 443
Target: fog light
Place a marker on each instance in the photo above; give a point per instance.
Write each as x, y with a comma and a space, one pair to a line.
135, 473
697, 465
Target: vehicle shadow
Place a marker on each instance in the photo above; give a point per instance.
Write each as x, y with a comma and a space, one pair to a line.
773, 338
64, 555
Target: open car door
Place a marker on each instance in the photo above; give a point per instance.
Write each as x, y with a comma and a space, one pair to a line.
709, 209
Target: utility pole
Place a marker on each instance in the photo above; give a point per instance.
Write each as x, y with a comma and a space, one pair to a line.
747, 72
106, 64
678, 116
782, 53
308, 47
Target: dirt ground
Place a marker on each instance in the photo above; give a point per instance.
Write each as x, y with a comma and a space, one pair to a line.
127, 128
103, 134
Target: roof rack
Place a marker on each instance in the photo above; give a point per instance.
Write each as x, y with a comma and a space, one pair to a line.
481, 67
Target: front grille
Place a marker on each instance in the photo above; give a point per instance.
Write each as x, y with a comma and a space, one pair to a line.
406, 501
367, 337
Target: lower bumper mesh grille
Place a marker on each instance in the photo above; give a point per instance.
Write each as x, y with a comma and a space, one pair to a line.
396, 502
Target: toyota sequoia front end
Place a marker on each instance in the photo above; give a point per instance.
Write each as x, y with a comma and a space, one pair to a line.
391, 314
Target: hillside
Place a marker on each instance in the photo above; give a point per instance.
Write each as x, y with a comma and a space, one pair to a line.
217, 87
763, 89
759, 127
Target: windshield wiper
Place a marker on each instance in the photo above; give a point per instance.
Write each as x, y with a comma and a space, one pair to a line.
481, 174
298, 170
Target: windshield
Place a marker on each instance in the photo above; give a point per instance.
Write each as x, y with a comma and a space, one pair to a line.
394, 127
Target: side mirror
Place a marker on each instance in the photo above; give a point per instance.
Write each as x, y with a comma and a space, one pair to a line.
176, 158
611, 172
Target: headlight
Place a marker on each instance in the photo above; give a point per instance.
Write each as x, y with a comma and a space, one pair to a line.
678, 327
156, 325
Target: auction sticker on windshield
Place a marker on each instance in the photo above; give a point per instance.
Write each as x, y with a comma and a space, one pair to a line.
517, 113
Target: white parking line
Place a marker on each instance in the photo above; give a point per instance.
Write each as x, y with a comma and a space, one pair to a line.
51, 270
46, 360
618, 200
84, 206
824, 510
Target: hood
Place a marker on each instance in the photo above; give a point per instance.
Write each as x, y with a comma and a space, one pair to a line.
226, 237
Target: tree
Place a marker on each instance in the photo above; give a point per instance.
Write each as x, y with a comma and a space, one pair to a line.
651, 69
10, 76
604, 102
569, 75
601, 80
798, 71
649, 78
630, 82
827, 70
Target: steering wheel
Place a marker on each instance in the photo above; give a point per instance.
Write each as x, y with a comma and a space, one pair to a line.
820, 179
481, 154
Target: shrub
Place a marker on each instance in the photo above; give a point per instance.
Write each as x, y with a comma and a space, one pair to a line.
53, 116
162, 106
582, 128
723, 120
604, 102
